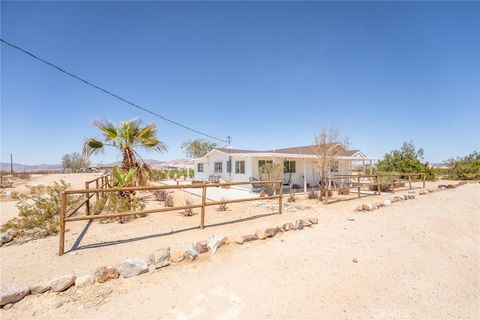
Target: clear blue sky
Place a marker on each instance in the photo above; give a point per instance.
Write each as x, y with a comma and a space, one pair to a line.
268, 74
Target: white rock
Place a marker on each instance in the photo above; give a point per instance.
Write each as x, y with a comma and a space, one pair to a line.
160, 258
134, 267
215, 242
85, 280
62, 283
387, 203
13, 293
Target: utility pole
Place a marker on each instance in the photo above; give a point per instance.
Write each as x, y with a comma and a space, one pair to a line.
11, 163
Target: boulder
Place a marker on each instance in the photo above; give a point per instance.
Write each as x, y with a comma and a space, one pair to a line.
288, 226
387, 203
313, 220
12, 293
201, 247
215, 242
40, 288
236, 238
62, 283
367, 207
260, 235
191, 254
306, 223
134, 267
103, 274
177, 256
271, 232
299, 224
85, 280
249, 237
359, 208
5, 237
160, 258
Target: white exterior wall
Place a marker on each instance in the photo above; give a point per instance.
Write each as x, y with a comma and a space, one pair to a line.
304, 166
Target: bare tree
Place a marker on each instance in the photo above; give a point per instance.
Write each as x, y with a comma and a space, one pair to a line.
328, 146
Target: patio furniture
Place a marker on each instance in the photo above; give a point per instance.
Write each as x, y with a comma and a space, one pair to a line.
256, 187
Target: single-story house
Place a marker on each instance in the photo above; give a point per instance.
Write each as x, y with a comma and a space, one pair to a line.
299, 163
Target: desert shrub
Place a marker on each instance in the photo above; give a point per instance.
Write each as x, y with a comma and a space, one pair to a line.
312, 194
407, 159
222, 206
291, 196
465, 168
270, 171
160, 195
188, 212
169, 201
344, 191
172, 174
22, 175
158, 175
38, 215
191, 173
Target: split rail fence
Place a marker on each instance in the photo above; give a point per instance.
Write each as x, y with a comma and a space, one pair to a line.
369, 182
103, 187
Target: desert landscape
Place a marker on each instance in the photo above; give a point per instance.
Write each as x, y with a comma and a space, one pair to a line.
404, 257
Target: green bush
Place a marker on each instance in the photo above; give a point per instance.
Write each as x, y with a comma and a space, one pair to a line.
39, 212
406, 160
465, 168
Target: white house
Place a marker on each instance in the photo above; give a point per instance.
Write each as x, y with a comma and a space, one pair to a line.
233, 165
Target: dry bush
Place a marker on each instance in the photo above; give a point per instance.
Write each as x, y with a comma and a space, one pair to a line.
222, 206
291, 196
344, 191
169, 201
38, 215
188, 212
160, 195
312, 194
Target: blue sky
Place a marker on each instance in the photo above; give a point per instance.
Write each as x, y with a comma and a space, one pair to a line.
268, 74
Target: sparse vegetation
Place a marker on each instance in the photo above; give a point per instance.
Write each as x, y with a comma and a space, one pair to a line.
312, 194
222, 206
160, 195
407, 159
465, 168
291, 196
197, 148
270, 171
188, 212
75, 162
169, 200
38, 215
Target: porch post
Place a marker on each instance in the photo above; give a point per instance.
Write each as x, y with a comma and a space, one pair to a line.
363, 167
371, 168
305, 175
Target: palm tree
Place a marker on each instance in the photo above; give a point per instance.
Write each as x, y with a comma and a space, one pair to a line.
127, 137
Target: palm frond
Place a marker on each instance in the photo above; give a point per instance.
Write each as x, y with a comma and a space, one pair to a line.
109, 130
92, 146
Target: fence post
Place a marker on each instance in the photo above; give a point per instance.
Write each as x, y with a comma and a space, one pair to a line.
204, 200
96, 187
359, 187
378, 185
410, 181
325, 197
87, 204
63, 207
280, 199
423, 176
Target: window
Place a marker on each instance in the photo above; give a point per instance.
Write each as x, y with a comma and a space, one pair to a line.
229, 165
262, 163
218, 167
240, 167
288, 166
199, 167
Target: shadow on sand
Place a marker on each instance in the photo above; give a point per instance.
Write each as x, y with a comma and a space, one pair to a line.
77, 246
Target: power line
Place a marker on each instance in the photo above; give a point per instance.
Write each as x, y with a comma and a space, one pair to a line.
110, 93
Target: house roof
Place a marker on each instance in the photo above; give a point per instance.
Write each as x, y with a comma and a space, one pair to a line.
303, 150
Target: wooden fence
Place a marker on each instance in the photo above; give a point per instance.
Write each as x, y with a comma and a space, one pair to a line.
347, 182
103, 187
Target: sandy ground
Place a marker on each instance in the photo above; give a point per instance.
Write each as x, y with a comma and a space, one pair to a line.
416, 259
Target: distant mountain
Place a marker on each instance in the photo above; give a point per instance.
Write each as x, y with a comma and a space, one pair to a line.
18, 167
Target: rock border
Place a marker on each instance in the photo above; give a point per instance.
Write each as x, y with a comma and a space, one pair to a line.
409, 196
159, 258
